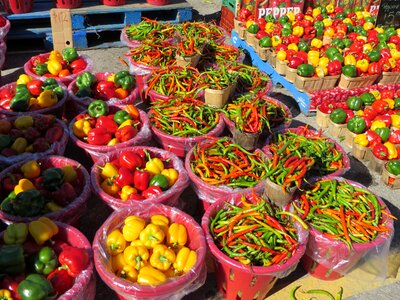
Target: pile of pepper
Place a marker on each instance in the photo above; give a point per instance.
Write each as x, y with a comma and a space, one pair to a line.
137, 175
32, 134
30, 94
34, 190
201, 30
219, 54
250, 79
101, 128
338, 295
148, 30
342, 211
255, 232
148, 252
183, 117
221, 162
36, 264
118, 85
153, 54
190, 46
58, 65
218, 79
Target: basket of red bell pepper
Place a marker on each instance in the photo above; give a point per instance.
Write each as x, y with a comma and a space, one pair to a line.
64, 65
139, 175
53, 186
42, 259
104, 128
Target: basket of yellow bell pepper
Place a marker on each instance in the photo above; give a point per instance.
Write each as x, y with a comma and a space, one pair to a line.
137, 176
153, 251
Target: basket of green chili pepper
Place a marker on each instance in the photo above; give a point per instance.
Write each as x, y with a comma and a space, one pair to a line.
348, 223
254, 243
220, 54
202, 30
178, 123
251, 79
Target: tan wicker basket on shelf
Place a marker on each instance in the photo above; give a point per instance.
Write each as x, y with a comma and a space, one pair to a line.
308, 84
264, 53
272, 59
346, 82
376, 164
239, 28
322, 119
361, 152
291, 74
330, 82
389, 77
349, 137
280, 67
251, 39
336, 130
392, 181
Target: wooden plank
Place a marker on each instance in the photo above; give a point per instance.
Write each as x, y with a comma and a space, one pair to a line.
61, 28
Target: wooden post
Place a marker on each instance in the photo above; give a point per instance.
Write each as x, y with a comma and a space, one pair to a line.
61, 27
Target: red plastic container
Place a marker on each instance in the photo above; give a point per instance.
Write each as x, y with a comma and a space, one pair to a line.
169, 197
68, 3
239, 281
69, 214
17, 6
175, 288
158, 2
113, 2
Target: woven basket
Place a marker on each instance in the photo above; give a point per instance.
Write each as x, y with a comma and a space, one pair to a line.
280, 67
291, 74
392, 181
349, 137
346, 82
336, 130
264, 53
361, 152
376, 164
330, 82
389, 78
308, 84
239, 28
322, 119
251, 39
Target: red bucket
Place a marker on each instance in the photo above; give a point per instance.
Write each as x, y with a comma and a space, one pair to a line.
113, 2
175, 288
158, 2
17, 6
239, 281
68, 3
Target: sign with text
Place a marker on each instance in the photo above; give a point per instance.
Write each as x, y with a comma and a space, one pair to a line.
389, 13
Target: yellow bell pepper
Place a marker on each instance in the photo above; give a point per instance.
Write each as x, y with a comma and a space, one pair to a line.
291, 16
316, 11
161, 221
361, 37
54, 67
392, 62
111, 77
390, 102
52, 206
327, 22
47, 98
395, 120
323, 62
19, 145
5, 294
379, 29
321, 71
366, 13
151, 236
115, 242
330, 8
359, 15
113, 142
185, 260
154, 166
136, 243
293, 46
349, 59
376, 94
133, 225
128, 273
276, 40
361, 139
330, 32
281, 55
177, 235
23, 79
171, 174
317, 43
348, 21
392, 151
136, 256
15, 233
313, 58
162, 257
360, 112
23, 185
55, 55
309, 18
42, 230
377, 124
368, 26
367, 47
126, 191
23, 122
30, 169
298, 31
150, 276
127, 123
70, 173
118, 262
268, 27
81, 128
110, 187
395, 54
398, 31
362, 64
108, 171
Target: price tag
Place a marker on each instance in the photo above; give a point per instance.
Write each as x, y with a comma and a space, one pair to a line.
389, 13
61, 27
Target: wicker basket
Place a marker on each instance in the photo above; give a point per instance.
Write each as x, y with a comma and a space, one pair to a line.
277, 194
322, 119
280, 67
239, 28
336, 130
361, 152
291, 74
308, 84
346, 82
389, 77
349, 137
330, 82
264, 53
217, 98
376, 164
392, 181
272, 59
251, 39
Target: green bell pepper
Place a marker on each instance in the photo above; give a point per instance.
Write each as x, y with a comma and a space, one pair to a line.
381, 45
338, 43
265, 42
97, 108
20, 101
28, 203
35, 287
69, 54
283, 19
391, 31
383, 132
5, 141
330, 51
85, 80
393, 167
338, 116
337, 56
286, 32
374, 55
367, 98
356, 124
84, 92
340, 16
58, 91
382, 37
303, 46
125, 80
50, 83
121, 116
253, 28
12, 260
52, 178
45, 261
396, 103
41, 69
349, 70
360, 30
347, 42
270, 18
287, 26
159, 180
6, 204
354, 103
305, 70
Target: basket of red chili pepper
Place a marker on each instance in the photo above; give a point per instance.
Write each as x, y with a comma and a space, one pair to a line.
104, 128
348, 223
138, 175
151, 273
254, 243
53, 186
45, 259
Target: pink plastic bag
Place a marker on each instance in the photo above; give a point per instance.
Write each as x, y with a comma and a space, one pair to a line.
128, 42
5, 29
169, 197
173, 289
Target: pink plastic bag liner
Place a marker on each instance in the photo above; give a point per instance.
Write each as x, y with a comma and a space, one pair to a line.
5, 29
175, 288
335, 256
209, 193
142, 137
310, 133
139, 69
248, 282
56, 109
181, 145
3, 50
57, 148
169, 197
84, 101
68, 214
128, 42
28, 69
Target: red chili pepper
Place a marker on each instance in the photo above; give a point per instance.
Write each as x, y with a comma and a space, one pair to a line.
124, 177
126, 133
141, 179
151, 191
98, 136
61, 281
107, 123
74, 259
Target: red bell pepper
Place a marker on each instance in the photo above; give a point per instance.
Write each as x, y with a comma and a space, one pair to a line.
368, 122
261, 33
141, 179
309, 32
11, 284
61, 281
385, 53
126, 133
151, 191
130, 160
74, 259
385, 119
135, 197
380, 151
299, 16
106, 89
380, 106
349, 114
10, 180
327, 107
373, 138
54, 134
98, 136
35, 87
244, 14
107, 123
280, 47
78, 65
374, 68
125, 177
334, 67
385, 64
387, 94
370, 113
353, 36
261, 22
35, 60
394, 137
294, 62
395, 39
294, 39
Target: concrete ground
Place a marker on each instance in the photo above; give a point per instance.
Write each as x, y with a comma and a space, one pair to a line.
358, 285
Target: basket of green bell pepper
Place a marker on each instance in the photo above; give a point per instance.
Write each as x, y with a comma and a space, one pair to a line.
391, 174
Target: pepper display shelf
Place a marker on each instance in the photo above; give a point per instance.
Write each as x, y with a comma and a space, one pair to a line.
303, 99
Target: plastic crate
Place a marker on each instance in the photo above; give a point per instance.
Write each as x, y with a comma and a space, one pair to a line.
227, 17
231, 4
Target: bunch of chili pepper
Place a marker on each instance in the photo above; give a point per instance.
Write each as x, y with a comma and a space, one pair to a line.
173, 81
150, 251
342, 211
218, 79
221, 162
215, 53
152, 54
183, 117
256, 233
209, 30
250, 78
247, 116
148, 29
190, 46
329, 295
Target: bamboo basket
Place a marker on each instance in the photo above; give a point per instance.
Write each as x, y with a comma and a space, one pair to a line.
322, 119
280, 67
336, 130
272, 59
330, 82
276, 194
308, 84
376, 164
247, 140
239, 28
346, 82
291, 74
392, 181
251, 39
264, 53
217, 98
349, 137
389, 77
361, 152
